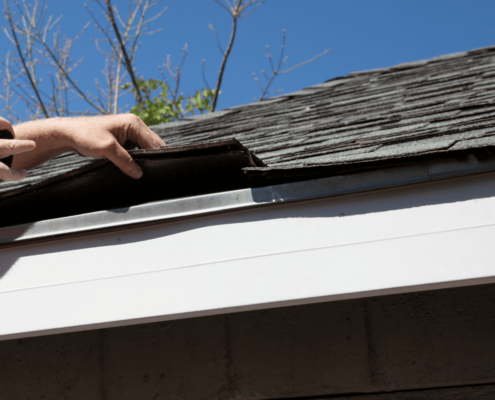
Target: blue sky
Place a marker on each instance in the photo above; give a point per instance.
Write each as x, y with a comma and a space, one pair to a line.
362, 34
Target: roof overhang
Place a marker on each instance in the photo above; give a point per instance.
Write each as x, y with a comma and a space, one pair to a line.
169, 172
396, 230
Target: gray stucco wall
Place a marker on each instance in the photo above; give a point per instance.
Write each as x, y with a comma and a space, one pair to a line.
393, 343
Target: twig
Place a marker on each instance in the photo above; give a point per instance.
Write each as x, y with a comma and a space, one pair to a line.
143, 22
217, 38
129, 33
100, 28
237, 9
276, 71
7, 87
130, 19
175, 75
36, 30
21, 56
229, 10
62, 69
304, 62
224, 63
117, 86
203, 62
249, 4
127, 61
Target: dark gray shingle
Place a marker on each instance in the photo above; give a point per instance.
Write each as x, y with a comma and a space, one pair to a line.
423, 107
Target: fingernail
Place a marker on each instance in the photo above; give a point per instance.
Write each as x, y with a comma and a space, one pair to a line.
138, 173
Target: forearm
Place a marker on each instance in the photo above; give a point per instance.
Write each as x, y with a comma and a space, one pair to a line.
50, 137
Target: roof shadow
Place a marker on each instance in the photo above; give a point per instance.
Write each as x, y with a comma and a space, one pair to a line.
398, 198
169, 172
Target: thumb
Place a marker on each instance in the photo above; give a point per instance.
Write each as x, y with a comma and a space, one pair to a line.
9, 174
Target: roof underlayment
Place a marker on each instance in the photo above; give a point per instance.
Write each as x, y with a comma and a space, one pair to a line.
432, 108
169, 172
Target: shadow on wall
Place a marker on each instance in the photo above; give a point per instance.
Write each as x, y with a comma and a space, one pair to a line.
442, 192
354, 350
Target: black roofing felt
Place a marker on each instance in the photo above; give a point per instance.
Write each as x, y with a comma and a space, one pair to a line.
169, 172
424, 108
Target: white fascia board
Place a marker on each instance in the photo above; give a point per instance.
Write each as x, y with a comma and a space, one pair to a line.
418, 237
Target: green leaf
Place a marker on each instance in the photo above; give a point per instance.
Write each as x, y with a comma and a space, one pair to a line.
158, 107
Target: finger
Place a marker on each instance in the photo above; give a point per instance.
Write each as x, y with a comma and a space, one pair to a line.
9, 147
141, 134
121, 158
9, 174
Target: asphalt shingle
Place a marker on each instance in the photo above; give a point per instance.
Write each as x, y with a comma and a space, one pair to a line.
428, 106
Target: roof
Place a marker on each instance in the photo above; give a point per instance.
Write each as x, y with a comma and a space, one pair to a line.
285, 244
445, 103
169, 172
433, 107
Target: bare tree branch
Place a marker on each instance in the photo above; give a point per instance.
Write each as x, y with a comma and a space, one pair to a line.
237, 9
229, 10
304, 62
63, 70
117, 86
127, 61
217, 38
33, 28
139, 25
7, 96
125, 38
143, 22
114, 85
176, 76
21, 56
276, 71
257, 4
101, 29
224, 63
203, 62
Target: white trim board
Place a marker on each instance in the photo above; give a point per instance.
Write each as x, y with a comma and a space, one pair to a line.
429, 236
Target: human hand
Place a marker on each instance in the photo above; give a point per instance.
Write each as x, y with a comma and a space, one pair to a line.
104, 137
11, 147
97, 137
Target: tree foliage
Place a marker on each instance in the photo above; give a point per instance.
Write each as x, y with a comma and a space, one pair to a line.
52, 91
157, 107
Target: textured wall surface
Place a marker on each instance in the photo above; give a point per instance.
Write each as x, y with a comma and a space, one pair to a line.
415, 346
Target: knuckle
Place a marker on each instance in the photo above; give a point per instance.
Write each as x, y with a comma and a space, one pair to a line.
126, 157
127, 161
131, 119
135, 118
109, 145
11, 145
